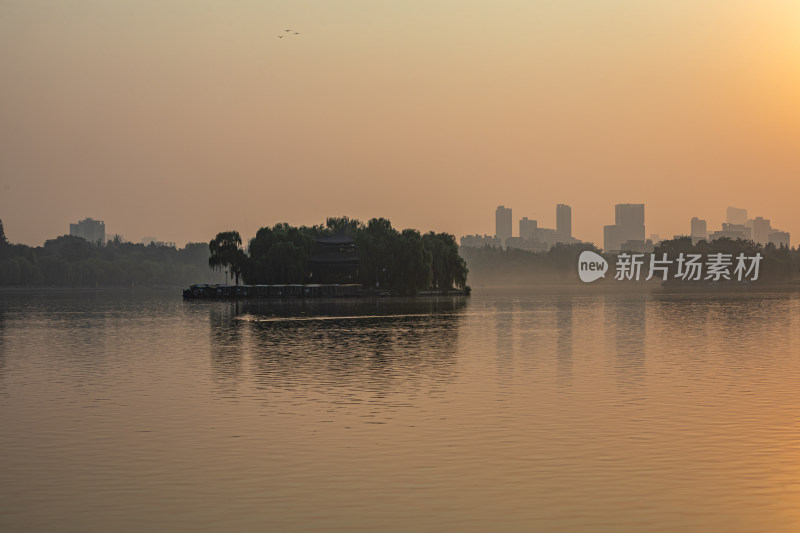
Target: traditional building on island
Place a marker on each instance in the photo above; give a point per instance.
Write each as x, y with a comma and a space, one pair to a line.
335, 260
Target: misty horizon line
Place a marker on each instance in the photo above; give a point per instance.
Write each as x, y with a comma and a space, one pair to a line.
148, 239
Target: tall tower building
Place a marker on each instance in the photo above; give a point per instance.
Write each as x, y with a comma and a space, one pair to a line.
699, 228
761, 230
502, 224
736, 216
527, 228
630, 219
564, 221
628, 226
611, 238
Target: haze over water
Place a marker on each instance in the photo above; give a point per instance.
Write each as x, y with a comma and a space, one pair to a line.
505, 411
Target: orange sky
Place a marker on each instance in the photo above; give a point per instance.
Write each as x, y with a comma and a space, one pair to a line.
181, 118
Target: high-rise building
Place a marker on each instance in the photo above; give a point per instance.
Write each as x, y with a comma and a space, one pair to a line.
89, 229
502, 222
628, 226
527, 228
631, 218
564, 221
699, 229
761, 230
736, 216
612, 240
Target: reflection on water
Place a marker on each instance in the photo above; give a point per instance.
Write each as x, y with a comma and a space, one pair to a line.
503, 311
631, 340
505, 411
2, 345
564, 339
348, 344
227, 348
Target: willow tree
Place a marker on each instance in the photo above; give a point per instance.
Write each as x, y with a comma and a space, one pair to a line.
376, 243
412, 264
448, 267
280, 254
226, 252
3, 240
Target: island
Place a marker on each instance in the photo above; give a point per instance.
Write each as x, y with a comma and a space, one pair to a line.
343, 257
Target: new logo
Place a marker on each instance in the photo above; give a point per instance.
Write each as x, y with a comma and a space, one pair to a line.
591, 266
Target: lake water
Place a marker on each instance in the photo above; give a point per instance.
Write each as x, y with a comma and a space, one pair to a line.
504, 411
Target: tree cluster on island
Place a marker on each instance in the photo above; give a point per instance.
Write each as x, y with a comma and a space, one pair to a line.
403, 262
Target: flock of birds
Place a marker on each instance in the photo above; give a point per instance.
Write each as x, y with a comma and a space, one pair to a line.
290, 32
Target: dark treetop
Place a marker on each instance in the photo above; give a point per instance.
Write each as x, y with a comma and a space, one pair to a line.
344, 251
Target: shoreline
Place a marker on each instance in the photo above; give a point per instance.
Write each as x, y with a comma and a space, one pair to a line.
555, 287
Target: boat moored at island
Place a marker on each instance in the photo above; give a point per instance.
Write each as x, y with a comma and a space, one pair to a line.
205, 291
209, 291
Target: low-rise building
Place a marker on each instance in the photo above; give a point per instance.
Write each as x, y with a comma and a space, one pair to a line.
479, 241
89, 229
780, 238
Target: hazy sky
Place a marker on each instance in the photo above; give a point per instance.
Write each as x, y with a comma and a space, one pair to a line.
182, 118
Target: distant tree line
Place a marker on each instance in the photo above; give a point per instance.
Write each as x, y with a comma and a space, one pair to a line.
491, 265
778, 263
403, 262
69, 261
496, 266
